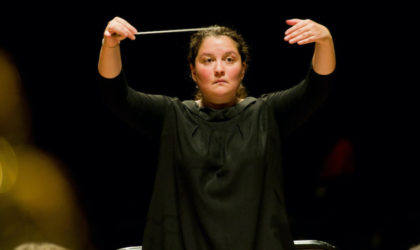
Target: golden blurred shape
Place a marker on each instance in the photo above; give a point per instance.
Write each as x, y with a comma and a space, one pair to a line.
8, 166
39, 246
14, 119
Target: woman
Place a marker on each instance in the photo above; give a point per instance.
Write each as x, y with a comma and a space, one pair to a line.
218, 183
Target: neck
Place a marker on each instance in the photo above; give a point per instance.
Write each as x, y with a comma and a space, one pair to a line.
204, 103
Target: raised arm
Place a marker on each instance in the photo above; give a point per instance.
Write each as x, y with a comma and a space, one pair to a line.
307, 31
109, 64
295, 105
139, 110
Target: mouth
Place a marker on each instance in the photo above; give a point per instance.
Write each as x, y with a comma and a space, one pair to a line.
220, 81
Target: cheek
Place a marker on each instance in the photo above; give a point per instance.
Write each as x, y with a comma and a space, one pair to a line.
236, 73
203, 74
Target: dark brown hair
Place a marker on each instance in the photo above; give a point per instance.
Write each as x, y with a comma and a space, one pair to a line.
216, 30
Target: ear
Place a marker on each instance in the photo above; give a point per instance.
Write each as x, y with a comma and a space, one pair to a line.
243, 70
193, 73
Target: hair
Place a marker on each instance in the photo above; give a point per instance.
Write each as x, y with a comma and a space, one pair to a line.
197, 39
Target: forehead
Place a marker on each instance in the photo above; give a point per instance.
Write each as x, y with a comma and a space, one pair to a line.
214, 44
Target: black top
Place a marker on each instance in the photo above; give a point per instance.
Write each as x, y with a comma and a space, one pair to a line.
218, 183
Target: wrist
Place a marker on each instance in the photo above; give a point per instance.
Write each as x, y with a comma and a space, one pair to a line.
326, 38
110, 47
326, 41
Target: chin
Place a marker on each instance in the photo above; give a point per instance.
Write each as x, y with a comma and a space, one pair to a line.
223, 92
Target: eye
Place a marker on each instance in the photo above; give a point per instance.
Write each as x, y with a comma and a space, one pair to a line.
206, 60
230, 59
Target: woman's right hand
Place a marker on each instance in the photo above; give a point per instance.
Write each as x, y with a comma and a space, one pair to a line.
117, 30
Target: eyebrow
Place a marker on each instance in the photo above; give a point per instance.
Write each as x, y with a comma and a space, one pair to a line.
226, 53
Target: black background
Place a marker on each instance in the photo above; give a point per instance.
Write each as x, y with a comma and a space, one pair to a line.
111, 167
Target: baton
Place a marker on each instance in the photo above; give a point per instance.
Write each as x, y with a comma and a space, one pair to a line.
170, 31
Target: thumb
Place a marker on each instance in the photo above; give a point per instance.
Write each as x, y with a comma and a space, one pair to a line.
293, 21
107, 34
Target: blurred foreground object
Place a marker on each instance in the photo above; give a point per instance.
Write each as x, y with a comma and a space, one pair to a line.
37, 203
415, 248
39, 246
14, 116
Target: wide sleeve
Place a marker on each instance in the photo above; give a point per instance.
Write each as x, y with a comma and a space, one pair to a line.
295, 105
144, 112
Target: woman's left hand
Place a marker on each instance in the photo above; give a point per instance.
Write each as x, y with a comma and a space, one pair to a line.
306, 31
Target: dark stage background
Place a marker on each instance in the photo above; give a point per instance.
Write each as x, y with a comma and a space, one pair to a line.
349, 176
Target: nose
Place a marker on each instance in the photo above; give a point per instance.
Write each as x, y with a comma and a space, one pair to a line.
219, 69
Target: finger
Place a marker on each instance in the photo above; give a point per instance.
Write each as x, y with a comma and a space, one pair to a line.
292, 21
297, 25
114, 30
121, 34
119, 31
303, 31
127, 29
130, 27
301, 37
107, 33
128, 33
306, 40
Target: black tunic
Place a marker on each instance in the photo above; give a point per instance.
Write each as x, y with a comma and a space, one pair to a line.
218, 183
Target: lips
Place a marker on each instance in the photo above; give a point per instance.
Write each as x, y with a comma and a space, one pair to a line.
220, 81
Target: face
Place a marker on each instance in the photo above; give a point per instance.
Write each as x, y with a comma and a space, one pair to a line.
218, 70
